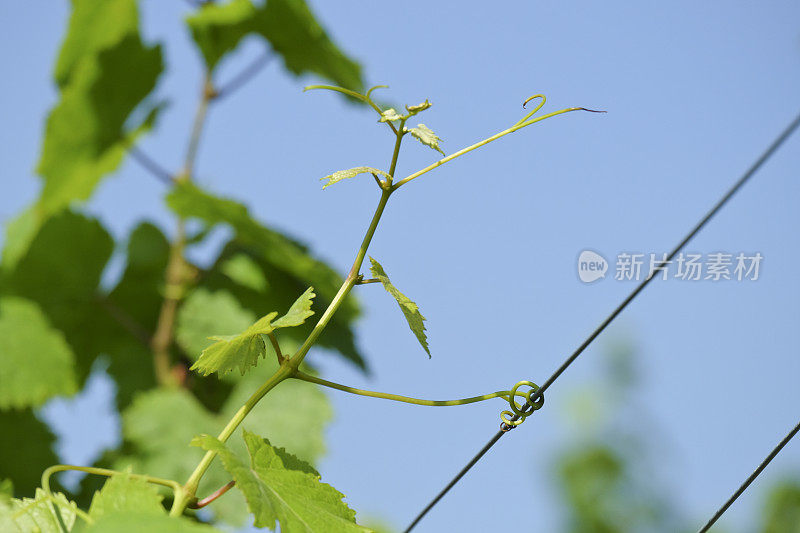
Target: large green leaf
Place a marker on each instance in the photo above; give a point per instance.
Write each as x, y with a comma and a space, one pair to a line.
37, 514
104, 72
130, 310
282, 489
410, 310
61, 271
290, 28
294, 415
133, 522
286, 265
123, 493
26, 449
245, 349
37, 362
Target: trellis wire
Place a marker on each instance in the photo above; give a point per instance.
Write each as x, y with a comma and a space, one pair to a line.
752, 477
560, 370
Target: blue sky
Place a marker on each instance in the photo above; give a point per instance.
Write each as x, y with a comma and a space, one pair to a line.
487, 245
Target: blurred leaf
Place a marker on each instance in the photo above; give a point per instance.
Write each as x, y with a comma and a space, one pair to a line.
295, 34
282, 489
204, 312
6, 489
94, 26
61, 271
26, 449
287, 264
424, 135
20, 231
104, 72
410, 310
340, 175
246, 272
158, 425
36, 514
37, 362
132, 306
121, 493
290, 28
218, 28
294, 415
133, 522
782, 510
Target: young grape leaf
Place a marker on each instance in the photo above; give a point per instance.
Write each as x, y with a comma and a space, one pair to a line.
134, 522
389, 115
282, 489
419, 108
410, 309
300, 310
104, 73
340, 175
287, 25
245, 349
232, 351
205, 311
284, 261
37, 362
122, 493
424, 135
36, 514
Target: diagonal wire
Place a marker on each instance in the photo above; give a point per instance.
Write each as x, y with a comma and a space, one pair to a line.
599, 329
752, 477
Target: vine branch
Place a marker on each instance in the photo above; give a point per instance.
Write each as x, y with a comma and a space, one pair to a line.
175, 276
504, 394
289, 367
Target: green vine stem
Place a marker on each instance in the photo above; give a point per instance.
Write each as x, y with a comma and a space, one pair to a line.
504, 394
47, 474
290, 366
527, 120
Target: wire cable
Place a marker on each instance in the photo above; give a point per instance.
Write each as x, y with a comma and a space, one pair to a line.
752, 477
785, 134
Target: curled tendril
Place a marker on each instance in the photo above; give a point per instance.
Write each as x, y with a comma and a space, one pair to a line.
535, 109
528, 119
519, 412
